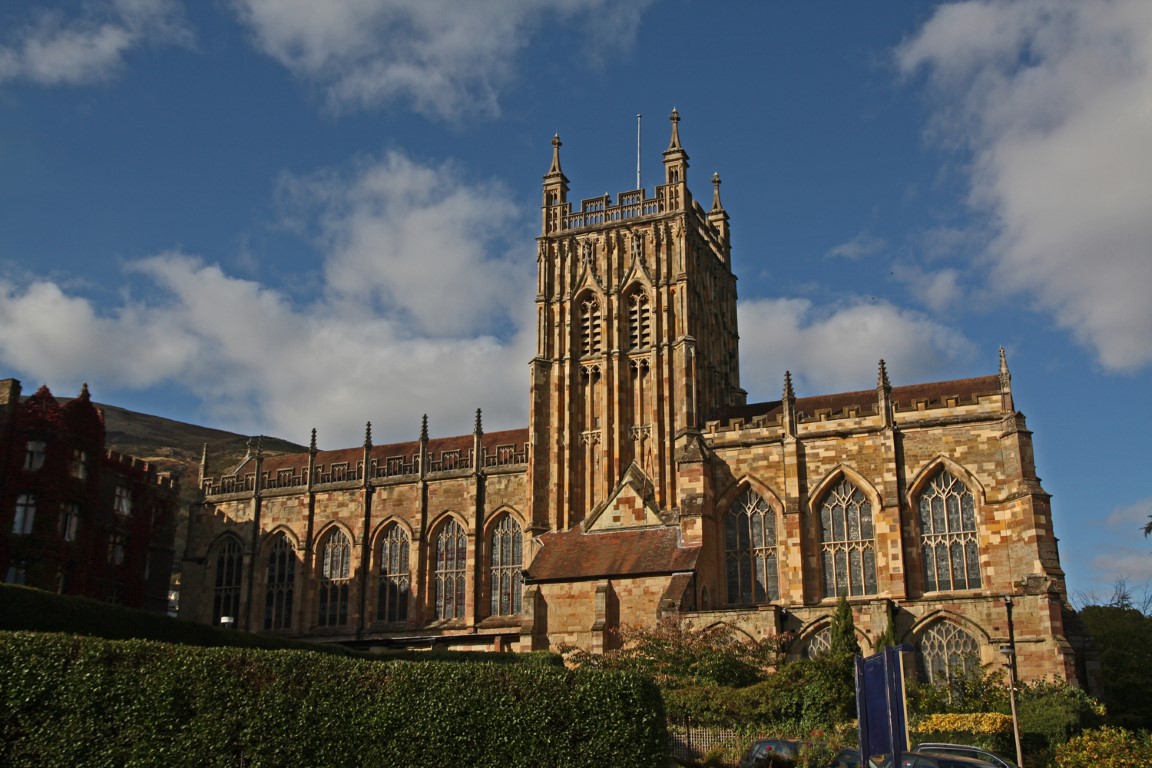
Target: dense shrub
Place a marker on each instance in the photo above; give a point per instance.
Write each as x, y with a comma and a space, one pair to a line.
1106, 747
989, 730
79, 701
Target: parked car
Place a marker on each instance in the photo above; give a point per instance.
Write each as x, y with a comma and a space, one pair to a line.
935, 760
769, 753
965, 751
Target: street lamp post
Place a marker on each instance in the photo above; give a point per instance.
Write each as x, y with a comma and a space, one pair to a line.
1009, 652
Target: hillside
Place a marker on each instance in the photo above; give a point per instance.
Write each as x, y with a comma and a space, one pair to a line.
176, 447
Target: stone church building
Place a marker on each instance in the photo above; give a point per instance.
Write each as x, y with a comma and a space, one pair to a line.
645, 487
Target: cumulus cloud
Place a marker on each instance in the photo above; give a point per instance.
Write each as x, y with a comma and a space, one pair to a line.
1134, 516
838, 349
440, 57
863, 244
1052, 99
388, 226
258, 362
89, 45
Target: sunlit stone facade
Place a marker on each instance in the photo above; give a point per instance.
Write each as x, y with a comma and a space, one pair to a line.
645, 487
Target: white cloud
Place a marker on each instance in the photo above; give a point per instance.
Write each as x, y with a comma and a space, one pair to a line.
1134, 516
937, 290
1054, 100
90, 45
863, 244
840, 349
256, 362
441, 57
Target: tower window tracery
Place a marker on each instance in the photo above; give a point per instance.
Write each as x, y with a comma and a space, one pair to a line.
639, 320
750, 551
591, 326
847, 542
948, 535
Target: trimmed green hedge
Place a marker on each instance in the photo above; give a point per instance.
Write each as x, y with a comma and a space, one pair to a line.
74, 701
24, 608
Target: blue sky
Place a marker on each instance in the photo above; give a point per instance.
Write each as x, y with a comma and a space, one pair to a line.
273, 215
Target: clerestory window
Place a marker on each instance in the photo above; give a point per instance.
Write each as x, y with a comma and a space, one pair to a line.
948, 535
750, 551
335, 580
395, 578
279, 579
226, 591
847, 542
507, 581
450, 566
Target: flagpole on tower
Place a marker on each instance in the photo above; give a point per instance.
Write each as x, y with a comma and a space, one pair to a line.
639, 185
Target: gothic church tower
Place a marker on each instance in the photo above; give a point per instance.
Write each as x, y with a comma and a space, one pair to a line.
636, 338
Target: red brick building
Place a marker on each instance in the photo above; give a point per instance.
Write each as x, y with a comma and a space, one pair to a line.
76, 518
646, 487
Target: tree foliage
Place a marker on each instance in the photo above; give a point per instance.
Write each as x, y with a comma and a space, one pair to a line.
843, 630
679, 655
1123, 638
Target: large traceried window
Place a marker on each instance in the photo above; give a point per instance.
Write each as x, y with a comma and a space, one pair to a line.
25, 514
279, 580
948, 534
639, 320
507, 546
395, 578
591, 326
226, 590
750, 550
335, 579
947, 652
451, 564
847, 542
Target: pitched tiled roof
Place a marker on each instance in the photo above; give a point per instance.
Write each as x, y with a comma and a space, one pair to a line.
574, 555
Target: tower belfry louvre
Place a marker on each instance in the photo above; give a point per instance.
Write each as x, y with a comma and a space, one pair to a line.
646, 488
636, 311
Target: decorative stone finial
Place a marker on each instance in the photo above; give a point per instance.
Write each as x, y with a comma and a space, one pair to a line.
85, 395
260, 447
882, 382
716, 206
479, 423
789, 393
312, 444
1004, 365
424, 429
368, 435
556, 144
675, 118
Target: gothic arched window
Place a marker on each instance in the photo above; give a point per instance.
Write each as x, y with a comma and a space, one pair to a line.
451, 564
395, 579
507, 547
847, 543
750, 550
226, 592
591, 328
819, 643
948, 535
947, 653
335, 579
278, 583
639, 320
